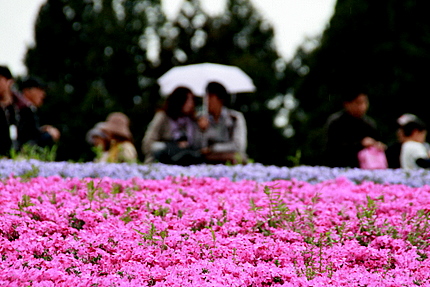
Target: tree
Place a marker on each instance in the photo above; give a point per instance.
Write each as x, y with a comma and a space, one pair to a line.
106, 55
381, 45
94, 56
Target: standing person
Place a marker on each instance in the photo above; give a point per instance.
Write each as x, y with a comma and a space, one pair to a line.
8, 113
224, 130
29, 130
414, 153
171, 136
350, 130
120, 147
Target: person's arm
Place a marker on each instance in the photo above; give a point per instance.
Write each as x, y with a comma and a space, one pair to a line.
368, 142
423, 162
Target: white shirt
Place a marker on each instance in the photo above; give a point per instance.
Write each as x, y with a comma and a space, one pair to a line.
411, 151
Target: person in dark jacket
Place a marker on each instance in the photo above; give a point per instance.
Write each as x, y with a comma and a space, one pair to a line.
350, 130
8, 113
29, 129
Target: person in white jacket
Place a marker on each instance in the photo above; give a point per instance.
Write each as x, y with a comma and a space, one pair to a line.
414, 153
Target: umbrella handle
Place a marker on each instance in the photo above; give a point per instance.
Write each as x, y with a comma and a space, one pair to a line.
205, 110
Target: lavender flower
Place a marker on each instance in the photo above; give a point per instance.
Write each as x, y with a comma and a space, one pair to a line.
254, 171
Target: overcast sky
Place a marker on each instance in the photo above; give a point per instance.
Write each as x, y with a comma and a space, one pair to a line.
293, 20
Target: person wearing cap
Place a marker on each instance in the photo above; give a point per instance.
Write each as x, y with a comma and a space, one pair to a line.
29, 129
413, 152
393, 150
119, 147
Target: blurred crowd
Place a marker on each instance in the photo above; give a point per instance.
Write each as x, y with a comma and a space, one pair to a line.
353, 140
19, 121
179, 133
182, 134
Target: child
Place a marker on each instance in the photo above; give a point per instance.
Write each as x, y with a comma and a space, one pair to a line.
414, 154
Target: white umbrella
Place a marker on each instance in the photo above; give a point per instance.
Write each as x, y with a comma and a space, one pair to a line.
197, 76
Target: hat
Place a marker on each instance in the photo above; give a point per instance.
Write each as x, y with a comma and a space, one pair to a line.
406, 118
33, 82
117, 124
95, 132
5, 72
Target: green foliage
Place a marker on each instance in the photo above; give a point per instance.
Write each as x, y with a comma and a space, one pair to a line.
278, 210
94, 60
25, 202
312, 256
76, 222
367, 219
31, 151
419, 235
368, 228
279, 215
33, 172
295, 160
44, 255
153, 236
91, 192
157, 210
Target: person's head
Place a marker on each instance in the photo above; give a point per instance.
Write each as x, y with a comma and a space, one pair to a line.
401, 122
33, 89
356, 103
6, 80
415, 130
180, 103
96, 137
217, 96
117, 127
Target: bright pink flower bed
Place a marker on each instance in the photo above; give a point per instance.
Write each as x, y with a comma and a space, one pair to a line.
207, 232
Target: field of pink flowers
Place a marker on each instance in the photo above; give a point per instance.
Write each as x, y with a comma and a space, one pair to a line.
184, 231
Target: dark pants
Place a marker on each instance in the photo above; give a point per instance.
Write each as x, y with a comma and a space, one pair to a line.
173, 154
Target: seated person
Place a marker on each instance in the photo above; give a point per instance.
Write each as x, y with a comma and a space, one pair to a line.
223, 130
171, 136
29, 130
7, 113
414, 154
120, 147
98, 140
